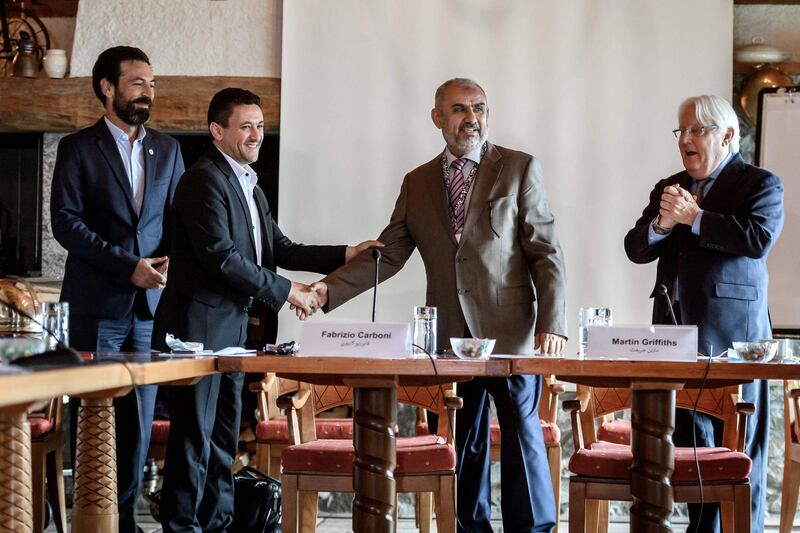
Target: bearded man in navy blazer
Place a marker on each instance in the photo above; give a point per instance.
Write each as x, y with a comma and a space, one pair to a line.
112, 187
711, 228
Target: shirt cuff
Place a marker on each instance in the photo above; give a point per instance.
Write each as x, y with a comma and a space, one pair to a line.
696, 223
653, 237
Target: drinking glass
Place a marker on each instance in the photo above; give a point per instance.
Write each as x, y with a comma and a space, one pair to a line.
55, 324
424, 331
591, 316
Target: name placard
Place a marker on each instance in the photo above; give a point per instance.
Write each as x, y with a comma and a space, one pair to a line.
386, 340
645, 343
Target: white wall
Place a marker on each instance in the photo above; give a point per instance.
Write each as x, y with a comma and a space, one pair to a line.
193, 38
589, 86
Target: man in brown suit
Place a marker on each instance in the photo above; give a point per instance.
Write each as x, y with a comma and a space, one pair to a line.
479, 216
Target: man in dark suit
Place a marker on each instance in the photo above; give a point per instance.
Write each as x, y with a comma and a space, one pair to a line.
225, 250
112, 188
711, 227
479, 216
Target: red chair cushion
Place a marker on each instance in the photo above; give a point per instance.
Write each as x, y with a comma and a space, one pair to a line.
551, 432
415, 455
277, 429
610, 460
552, 435
160, 432
618, 431
40, 426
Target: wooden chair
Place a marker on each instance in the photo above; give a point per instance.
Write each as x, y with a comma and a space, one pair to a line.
425, 464
791, 455
272, 430
601, 469
46, 461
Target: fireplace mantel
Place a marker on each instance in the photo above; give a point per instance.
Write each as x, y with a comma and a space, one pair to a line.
69, 104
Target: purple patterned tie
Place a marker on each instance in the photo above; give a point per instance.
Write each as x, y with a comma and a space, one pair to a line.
454, 194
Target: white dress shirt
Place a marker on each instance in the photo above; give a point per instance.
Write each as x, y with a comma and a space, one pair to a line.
248, 180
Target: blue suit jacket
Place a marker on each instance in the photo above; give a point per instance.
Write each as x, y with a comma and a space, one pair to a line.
94, 218
722, 273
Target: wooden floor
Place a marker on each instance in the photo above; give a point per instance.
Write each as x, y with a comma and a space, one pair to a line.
343, 524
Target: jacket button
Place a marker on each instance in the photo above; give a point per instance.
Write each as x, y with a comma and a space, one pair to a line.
138, 232
463, 291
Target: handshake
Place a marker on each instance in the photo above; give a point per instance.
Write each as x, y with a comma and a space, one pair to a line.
305, 300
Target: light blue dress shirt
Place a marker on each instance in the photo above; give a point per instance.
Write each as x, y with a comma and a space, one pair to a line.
132, 159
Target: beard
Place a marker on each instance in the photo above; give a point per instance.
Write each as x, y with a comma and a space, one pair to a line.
129, 113
468, 145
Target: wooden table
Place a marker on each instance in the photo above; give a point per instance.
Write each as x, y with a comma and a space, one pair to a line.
95, 504
653, 385
374, 383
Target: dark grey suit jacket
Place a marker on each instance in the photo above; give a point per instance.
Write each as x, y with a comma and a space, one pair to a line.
213, 271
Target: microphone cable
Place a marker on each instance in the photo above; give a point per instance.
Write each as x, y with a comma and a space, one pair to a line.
694, 436
662, 290
451, 427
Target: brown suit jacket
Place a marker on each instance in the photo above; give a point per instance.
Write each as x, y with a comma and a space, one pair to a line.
505, 278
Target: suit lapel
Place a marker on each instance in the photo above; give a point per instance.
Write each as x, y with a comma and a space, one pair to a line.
215, 155
108, 147
486, 177
724, 181
149, 153
437, 192
266, 235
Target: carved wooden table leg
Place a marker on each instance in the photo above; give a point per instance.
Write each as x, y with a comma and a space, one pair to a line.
652, 424
16, 503
373, 469
95, 505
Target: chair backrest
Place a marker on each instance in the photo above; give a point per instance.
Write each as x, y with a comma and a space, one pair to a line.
548, 404
791, 407
272, 387
599, 402
425, 397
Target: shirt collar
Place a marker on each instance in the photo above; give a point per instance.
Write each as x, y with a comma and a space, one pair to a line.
474, 155
717, 171
120, 135
240, 170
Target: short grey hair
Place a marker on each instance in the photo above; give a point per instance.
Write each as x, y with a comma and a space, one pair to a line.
713, 109
458, 82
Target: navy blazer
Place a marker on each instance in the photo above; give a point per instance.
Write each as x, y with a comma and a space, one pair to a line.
213, 270
94, 218
721, 273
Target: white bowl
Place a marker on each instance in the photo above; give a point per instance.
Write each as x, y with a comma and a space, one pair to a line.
756, 352
469, 348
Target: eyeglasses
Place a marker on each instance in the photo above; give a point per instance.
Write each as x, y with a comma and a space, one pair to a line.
694, 131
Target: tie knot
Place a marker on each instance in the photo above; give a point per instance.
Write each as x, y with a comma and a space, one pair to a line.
458, 164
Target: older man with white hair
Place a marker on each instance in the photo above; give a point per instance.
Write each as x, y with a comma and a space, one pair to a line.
711, 227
